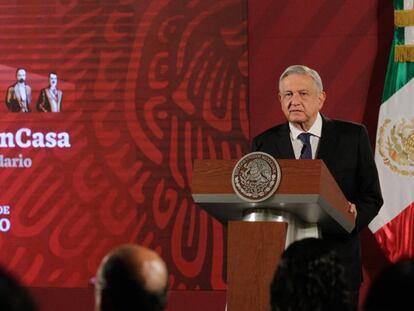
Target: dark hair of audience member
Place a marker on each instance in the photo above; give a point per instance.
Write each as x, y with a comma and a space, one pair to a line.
393, 289
13, 296
309, 277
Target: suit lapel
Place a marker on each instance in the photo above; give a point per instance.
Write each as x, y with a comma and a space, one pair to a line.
17, 93
283, 143
28, 93
327, 144
328, 141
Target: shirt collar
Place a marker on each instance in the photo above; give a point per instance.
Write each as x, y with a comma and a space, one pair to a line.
315, 130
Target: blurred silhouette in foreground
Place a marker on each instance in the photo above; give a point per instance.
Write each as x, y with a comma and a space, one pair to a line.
13, 296
131, 277
310, 277
393, 289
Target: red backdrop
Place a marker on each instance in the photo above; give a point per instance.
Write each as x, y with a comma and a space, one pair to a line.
347, 44
148, 87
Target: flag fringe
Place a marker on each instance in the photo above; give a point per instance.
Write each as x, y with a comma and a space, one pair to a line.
403, 18
404, 53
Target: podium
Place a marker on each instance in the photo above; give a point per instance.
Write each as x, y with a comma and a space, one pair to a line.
257, 232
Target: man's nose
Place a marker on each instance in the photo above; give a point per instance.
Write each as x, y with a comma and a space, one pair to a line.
295, 99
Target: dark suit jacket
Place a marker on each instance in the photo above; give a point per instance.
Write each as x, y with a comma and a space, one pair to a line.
43, 102
346, 151
13, 96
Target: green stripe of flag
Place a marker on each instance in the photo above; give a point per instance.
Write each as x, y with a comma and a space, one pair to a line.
398, 74
398, 4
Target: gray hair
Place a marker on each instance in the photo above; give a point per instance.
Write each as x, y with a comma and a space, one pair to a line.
303, 70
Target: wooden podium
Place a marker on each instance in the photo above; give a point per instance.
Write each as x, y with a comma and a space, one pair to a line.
307, 193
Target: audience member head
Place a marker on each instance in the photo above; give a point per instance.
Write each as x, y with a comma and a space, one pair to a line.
309, 277
13, 296
393, 288
131, 277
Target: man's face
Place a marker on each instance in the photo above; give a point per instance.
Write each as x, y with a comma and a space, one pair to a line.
52, 80
21, 75
300, 100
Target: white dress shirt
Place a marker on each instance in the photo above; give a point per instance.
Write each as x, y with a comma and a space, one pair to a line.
22, 91
315, 131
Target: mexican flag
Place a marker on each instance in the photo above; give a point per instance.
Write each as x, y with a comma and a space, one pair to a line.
394, 151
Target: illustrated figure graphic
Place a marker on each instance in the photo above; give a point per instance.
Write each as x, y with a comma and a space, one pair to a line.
19, 95
50, 98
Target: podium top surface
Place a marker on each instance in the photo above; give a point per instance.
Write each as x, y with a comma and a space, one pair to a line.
307, 190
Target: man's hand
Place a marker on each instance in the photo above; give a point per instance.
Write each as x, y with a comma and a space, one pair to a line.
352, 209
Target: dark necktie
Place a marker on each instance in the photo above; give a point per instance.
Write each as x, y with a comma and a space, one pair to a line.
306, 152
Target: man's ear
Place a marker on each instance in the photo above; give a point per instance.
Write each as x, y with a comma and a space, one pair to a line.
279, 96
322, 98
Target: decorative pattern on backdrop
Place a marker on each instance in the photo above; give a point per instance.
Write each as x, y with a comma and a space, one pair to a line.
148, 86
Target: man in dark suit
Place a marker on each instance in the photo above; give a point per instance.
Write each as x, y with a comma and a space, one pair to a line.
19, 95
50, 98
343, 146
